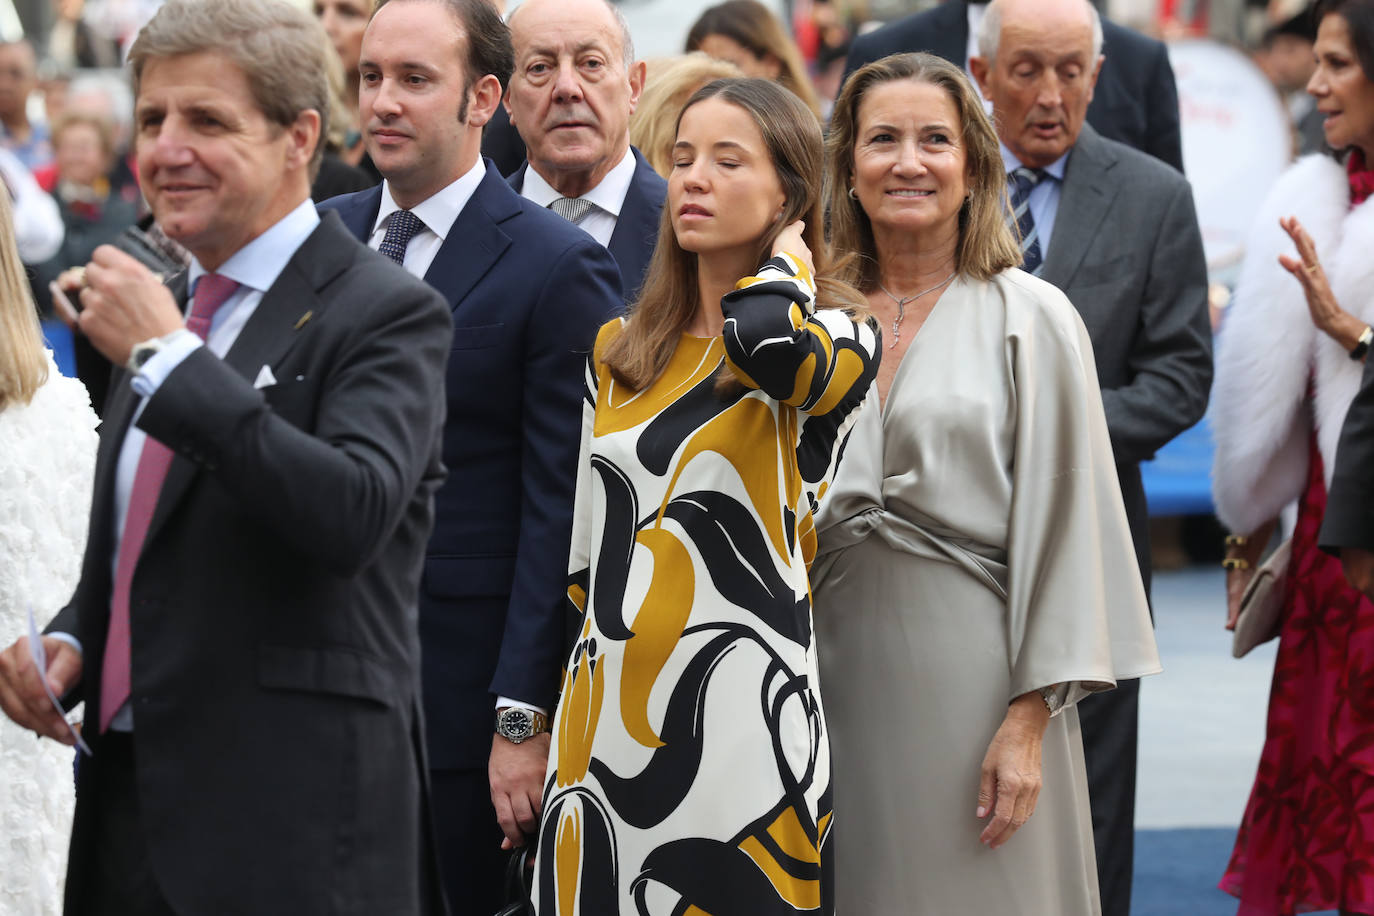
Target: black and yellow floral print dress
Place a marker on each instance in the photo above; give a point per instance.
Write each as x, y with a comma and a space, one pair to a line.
690, 767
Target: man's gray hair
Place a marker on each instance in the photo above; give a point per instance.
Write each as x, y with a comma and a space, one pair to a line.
626, 41
990, 30
280, 49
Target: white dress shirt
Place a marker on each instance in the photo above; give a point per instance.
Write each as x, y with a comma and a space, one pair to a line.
608, 196
255, 267
1044, 197
438, 213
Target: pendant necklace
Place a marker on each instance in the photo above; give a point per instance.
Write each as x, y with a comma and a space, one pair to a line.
901, 306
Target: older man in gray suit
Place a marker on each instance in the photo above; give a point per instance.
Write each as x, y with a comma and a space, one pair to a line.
1116, 231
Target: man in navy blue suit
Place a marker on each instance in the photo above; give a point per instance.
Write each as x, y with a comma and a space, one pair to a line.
575, 85
528, 292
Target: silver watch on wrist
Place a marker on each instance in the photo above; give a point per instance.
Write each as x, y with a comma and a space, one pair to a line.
517, 724
142, 352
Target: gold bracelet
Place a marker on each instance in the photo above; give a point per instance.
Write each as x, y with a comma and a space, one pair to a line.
1235, 563
1236, 540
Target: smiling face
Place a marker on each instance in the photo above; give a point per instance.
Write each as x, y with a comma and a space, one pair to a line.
571, 95
910, 169
345, 21
1343, 93
215, 171
1042, 79
413, 99
724, 194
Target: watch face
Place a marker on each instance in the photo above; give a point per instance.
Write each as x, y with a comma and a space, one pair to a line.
515, 723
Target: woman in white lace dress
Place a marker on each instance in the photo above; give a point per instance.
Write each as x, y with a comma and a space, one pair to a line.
47, 458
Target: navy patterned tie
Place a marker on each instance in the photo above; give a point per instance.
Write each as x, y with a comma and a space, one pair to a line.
400, 229
1023, 181
572, 209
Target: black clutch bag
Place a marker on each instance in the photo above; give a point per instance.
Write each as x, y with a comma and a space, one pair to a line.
519, 882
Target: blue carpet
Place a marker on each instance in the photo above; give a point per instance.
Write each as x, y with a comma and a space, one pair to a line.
1176, 872
60, 340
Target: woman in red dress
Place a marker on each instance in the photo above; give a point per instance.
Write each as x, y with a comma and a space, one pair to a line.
1288, 362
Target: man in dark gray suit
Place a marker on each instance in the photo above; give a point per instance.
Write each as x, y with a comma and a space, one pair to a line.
244, 632
1114, 229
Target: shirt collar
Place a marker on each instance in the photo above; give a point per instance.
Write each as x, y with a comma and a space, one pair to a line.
258, 264
1055, 169
439, 211
609, 195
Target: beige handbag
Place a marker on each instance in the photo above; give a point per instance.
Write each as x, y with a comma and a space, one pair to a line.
1261, 606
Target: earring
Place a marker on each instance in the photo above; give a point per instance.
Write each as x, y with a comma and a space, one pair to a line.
853, 194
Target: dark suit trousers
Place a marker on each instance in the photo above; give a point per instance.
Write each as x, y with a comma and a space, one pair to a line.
470, 856
1110, 723
119, 879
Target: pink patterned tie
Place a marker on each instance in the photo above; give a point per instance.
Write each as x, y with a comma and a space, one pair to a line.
212, 290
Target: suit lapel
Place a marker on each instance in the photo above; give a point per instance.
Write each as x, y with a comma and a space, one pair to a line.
1084, 201
359, 212
275, 326
475, 242
636, 229
114, 427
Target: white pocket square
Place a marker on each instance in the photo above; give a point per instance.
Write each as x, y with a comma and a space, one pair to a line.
265, 378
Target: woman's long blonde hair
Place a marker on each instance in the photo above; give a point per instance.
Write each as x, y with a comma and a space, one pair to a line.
986, 244
670, 295
23, 363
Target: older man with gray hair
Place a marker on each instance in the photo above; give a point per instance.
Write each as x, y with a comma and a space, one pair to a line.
575, 85
244, 631
1114, 229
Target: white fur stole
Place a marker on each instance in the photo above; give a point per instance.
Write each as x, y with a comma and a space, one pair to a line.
1268, 348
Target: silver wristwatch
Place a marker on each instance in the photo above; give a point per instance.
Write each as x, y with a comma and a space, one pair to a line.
142, 352
516, 723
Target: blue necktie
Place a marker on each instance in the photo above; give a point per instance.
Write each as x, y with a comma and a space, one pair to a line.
1023, 180
400, 229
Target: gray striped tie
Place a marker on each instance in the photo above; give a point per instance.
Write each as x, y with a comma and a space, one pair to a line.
572, 209
1023, 181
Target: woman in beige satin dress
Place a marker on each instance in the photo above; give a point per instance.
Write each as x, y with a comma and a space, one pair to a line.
976, 576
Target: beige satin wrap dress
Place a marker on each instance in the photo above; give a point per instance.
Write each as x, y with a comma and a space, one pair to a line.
973, 548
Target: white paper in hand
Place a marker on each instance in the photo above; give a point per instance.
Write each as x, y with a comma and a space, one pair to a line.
40, 660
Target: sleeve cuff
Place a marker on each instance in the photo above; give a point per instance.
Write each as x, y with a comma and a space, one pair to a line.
70, 640
505, 702
181, 343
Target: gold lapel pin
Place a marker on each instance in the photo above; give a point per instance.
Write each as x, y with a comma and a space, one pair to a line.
300, 322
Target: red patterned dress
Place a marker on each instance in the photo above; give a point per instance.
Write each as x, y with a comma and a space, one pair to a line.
1306, 842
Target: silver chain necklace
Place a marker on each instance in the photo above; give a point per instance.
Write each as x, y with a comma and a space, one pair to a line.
901, 306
